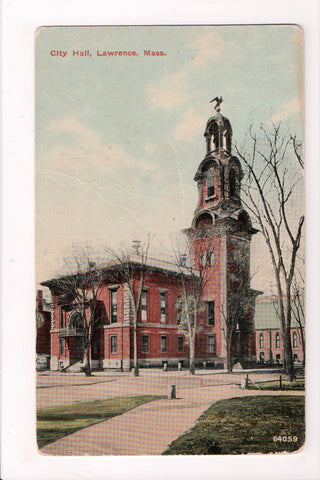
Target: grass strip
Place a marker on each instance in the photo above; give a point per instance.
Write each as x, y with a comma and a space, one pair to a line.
298, 384
255, 424
55, 422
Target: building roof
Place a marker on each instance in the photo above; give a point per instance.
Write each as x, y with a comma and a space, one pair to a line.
155, 264
266, 314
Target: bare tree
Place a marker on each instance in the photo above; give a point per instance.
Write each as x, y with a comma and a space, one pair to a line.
80, 290
268, 192
134, 271
298, 312
195, 275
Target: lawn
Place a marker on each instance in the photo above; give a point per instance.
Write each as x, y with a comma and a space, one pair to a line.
255, 424
298, 384
55, 422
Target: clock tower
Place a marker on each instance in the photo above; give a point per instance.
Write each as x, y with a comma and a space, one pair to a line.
220, 236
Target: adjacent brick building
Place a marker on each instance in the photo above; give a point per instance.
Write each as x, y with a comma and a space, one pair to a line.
269, 342
43, 326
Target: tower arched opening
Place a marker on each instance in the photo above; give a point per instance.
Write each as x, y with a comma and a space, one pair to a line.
204, 220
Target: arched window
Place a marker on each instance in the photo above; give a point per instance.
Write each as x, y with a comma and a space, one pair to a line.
75, 321
277, 340
261, 340
232, 182
294, 339
210, 186
210, 259
204, 221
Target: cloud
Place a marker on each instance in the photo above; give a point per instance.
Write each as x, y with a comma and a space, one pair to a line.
79, 151
190, 126
209, 47
287, 109
171, 90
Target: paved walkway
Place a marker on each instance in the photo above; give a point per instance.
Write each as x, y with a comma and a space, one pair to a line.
145, 430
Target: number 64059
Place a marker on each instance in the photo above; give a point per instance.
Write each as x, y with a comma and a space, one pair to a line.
285, 438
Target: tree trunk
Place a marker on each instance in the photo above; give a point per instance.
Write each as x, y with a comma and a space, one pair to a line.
303, 347
135, 347
192, 349
287, 354
290, 367
229, 357
87, 362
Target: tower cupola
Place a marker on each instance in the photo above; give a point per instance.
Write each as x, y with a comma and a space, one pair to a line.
218, 133
219, 174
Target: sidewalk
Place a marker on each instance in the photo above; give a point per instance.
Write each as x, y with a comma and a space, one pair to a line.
150, 428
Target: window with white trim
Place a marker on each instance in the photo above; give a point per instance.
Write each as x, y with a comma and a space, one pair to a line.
261, 340
144, 306
163, 301
277, 340
211, 313
145, 343
180, 344
113, 306
294, 339
211, 343
163, 343
113, 343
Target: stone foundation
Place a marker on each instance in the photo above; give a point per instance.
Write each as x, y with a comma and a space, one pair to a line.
54, 363
114, 364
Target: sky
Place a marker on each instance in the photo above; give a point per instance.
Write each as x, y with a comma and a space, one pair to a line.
119, 139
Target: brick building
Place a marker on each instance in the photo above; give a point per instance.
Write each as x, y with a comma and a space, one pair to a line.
269, 342
43, 325
159, 339
219, 237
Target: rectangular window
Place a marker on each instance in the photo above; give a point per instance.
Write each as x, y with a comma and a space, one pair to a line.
179, 313
162, 307
113, 302
261, 340
163, 343
211, 313
211, 343
294, 340
61, 317
113, 343
145, 343
61, 345
210, 186
143, 307
180, 344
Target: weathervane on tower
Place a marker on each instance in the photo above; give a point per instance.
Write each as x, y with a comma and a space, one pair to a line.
219, 100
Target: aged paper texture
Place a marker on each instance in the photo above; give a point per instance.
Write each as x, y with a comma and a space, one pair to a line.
170, 240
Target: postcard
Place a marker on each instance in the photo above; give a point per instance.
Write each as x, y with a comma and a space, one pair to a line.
170, 240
